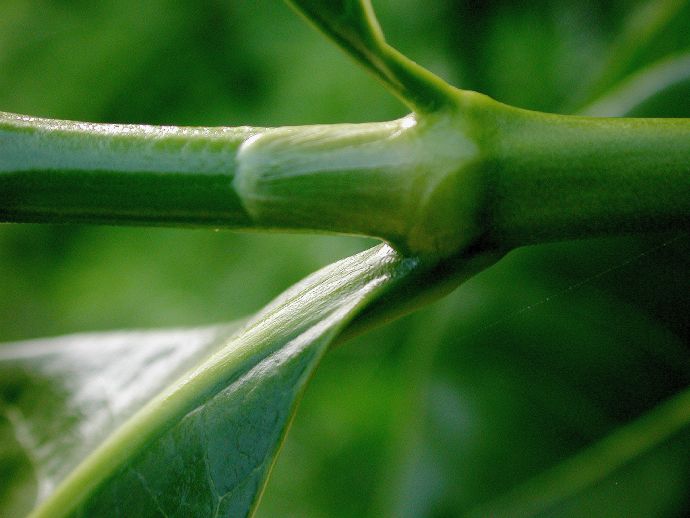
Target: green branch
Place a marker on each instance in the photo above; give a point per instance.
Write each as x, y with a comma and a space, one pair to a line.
462, 172
69, 172
352, 24
554, 177
432, 185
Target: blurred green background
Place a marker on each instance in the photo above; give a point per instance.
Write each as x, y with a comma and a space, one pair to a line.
550, 351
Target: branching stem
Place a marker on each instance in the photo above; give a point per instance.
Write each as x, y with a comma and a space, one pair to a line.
431, 185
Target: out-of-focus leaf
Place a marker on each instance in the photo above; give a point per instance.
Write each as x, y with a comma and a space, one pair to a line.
643, 39
570, 488
641, 87
176, 423
505, 396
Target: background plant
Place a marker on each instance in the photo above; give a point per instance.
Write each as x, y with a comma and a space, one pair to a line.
506, 383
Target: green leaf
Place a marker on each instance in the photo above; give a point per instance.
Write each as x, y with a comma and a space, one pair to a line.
645, 26
641, 86
530, 377
575, 482
61, 397
352, 24
171, 423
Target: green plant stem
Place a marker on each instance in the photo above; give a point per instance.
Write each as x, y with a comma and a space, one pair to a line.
68, 172
433, 185
561, 177
356, 30
374, 179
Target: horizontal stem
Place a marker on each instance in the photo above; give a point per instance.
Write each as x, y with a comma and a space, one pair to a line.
66, 172
557, 177
431, 185
375, 179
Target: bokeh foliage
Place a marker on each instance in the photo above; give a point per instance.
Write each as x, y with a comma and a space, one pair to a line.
549, 351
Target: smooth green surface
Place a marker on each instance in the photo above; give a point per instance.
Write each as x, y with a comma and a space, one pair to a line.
430, 184
556, 178
409, 181
62, 397
71, 172
200, 444
552, 491
461, 170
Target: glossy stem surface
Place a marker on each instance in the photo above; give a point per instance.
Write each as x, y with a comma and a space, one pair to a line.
431, 185
553, 177
69, 172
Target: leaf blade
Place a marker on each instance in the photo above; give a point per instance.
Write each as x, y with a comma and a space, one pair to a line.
205, 445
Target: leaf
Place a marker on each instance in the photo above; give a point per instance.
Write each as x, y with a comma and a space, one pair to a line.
638, 41
522, 379
352, 24
555, 492
62, 397
641, 86
111, 425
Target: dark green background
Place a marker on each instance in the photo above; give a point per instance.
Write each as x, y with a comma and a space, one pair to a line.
549, 351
